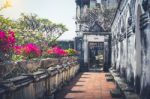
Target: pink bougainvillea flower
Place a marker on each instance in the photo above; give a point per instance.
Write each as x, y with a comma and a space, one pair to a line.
29, 50
18, 49
7, 41
57, 51
11, 37
33, 49
2, 36
50, 51
11, 33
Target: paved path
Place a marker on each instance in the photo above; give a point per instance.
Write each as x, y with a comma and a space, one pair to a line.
87, 85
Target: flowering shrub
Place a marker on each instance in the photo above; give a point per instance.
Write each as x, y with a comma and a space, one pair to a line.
71, 52
56, 52
9, 50
29, 50
59, 51
7, 41
18, 50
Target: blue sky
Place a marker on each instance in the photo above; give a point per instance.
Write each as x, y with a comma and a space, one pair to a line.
59, 11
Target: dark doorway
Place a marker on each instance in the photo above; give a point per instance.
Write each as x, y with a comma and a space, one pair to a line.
96, 56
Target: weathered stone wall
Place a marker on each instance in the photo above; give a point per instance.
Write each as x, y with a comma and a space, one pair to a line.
131, 44
13, 69
41, 83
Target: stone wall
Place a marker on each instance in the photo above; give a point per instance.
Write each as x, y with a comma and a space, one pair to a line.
38, 79
13, 69
131, 44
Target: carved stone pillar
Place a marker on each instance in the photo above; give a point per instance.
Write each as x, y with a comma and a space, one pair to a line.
85, 47
145, 42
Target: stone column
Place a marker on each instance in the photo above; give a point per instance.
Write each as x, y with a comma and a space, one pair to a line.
85, 50
145, 42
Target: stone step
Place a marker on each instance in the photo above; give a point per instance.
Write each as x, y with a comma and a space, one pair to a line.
108, 74
131, 95
116, 93
110, 78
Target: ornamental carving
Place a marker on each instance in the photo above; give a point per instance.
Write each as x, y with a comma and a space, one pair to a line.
144, 21
130, 21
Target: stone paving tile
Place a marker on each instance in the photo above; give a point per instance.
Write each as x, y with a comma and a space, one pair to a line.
87, 85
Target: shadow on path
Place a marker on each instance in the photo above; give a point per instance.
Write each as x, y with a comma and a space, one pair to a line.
87, 85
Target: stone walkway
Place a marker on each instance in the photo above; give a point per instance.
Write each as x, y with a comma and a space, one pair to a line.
87, 85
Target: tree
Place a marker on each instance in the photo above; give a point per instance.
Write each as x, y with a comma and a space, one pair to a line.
6, 23
31, 28
39, 30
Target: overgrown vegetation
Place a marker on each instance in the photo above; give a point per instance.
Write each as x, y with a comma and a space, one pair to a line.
28, 37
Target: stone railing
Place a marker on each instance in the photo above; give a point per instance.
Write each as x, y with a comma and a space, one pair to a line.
49, 76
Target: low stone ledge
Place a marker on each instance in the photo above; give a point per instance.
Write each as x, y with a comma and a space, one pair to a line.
7, 68
14, 69
29, 66
48, 62
52, 70
16, 83
34, 85
59, 68
116, 93
110, 78
128, 92
2, 89
108, 75
39, 75
131, 95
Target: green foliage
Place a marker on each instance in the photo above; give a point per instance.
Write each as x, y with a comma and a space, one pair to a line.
31, 28
48, 56
38, 30
17, 57
71, 52
6, 23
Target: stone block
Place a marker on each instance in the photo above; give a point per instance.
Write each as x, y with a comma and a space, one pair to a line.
116, 93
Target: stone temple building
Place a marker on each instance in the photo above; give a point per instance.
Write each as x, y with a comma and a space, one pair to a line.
93, 32
125, 46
